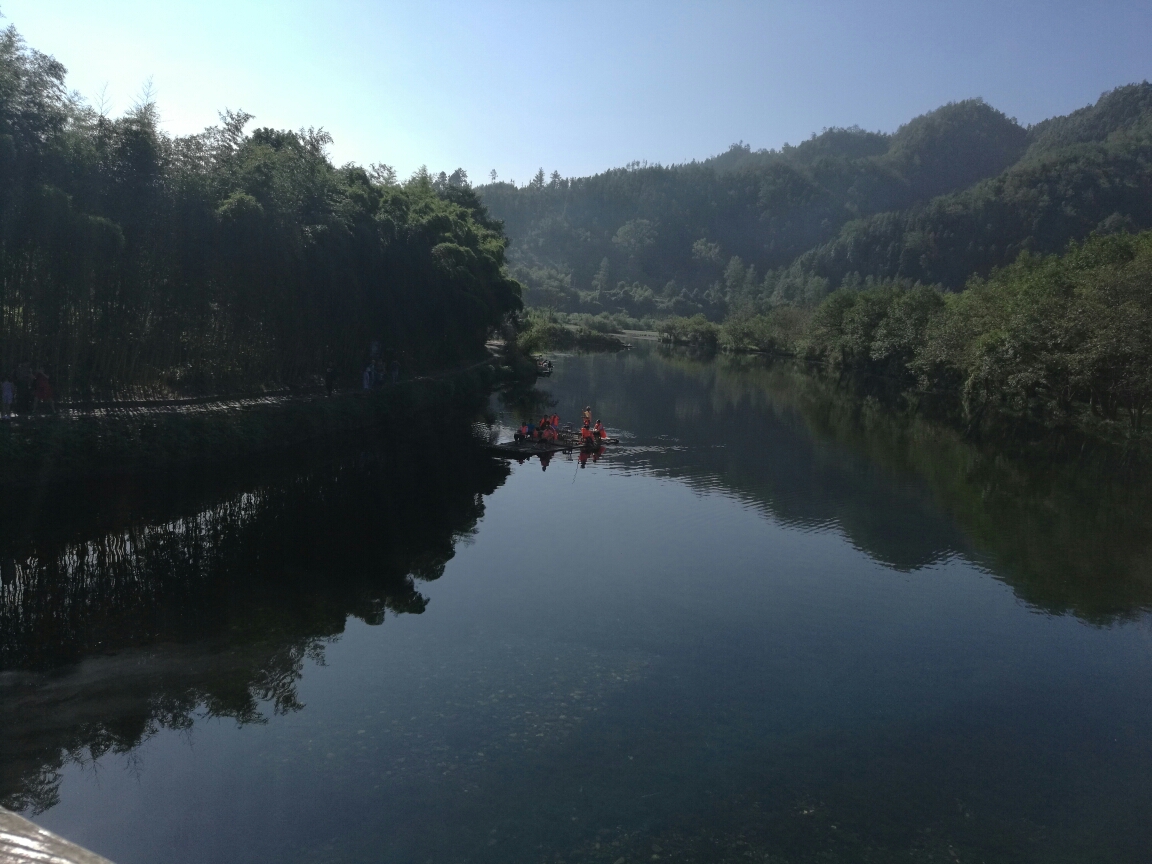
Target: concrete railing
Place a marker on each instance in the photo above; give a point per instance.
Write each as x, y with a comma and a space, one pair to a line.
24, 842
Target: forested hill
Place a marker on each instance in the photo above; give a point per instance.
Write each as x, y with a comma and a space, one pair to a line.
132, 260
952, 193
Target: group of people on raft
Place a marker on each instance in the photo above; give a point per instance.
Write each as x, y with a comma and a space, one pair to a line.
548, 429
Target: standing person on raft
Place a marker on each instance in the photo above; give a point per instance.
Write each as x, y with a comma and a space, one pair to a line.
586, 436
593, 436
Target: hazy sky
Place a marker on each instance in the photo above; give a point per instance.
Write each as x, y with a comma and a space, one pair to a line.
581, 87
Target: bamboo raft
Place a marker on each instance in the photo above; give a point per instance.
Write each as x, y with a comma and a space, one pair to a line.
566, 442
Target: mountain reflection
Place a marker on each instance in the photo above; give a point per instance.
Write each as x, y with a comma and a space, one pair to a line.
130, 609
1068, 537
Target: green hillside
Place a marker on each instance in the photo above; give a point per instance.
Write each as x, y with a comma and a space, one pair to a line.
953, 193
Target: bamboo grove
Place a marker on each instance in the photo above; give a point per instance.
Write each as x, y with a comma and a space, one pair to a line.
134, 261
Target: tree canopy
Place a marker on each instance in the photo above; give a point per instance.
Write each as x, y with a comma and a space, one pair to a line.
133, 259
1046, 342
956, 192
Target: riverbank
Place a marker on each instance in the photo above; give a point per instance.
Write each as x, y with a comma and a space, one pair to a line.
142, 438
543, 332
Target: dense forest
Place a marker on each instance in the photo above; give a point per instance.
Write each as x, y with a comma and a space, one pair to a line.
1047, 342
951, 194
136, 261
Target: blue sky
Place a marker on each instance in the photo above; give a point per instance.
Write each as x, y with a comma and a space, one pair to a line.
582, 87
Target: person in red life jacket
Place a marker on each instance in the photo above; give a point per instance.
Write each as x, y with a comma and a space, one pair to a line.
523, 434
600, 431
556, 422
585, 435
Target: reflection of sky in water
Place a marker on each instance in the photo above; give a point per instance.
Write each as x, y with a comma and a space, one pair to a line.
635, 660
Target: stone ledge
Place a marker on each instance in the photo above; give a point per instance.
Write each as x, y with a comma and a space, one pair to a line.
24, 842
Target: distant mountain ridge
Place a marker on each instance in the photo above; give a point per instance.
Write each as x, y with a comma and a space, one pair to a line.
951, 193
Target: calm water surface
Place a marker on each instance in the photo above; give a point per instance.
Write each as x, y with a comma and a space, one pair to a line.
773, 625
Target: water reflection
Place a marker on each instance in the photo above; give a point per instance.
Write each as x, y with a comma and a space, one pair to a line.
1069, 538
162, 607
672, 652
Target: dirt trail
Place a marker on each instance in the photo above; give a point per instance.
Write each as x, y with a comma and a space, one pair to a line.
215, 404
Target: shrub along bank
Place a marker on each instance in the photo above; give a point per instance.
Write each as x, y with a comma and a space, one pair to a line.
541, 333
1048, 342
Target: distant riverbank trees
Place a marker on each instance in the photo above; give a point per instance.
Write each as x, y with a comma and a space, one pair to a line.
131, 260
1048, 341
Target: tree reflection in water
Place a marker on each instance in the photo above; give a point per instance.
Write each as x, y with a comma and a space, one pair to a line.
205, 596
1069, 535
164, 603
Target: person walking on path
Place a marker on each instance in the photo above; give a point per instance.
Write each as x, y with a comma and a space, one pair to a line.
368, 377
395, 367
42, 392
7, 397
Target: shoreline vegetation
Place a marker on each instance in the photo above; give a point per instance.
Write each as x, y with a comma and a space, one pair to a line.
1055, 347
1047, 345
544, 331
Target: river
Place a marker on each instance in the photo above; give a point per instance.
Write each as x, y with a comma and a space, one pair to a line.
776, 623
